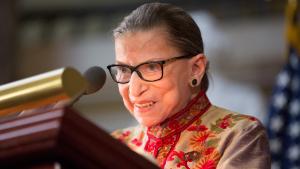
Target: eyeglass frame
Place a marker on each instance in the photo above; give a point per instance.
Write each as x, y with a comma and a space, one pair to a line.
135, 68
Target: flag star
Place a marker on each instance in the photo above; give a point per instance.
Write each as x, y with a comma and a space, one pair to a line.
283, 79
294, 153
295, 167
295, 107
294, 129
294, 61
295, 84
279, 100
275, 145
275, 165
276, 123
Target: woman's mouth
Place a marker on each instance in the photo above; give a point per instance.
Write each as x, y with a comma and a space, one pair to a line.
144, 105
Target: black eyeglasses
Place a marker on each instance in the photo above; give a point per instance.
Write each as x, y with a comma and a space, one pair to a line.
148, 71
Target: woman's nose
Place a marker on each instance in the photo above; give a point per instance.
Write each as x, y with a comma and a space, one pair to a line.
136, 85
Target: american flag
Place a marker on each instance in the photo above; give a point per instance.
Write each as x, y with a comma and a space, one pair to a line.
283, 123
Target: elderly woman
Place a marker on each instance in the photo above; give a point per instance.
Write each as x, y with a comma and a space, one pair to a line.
161, 69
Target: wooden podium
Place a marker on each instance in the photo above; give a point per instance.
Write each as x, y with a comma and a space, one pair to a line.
62, 138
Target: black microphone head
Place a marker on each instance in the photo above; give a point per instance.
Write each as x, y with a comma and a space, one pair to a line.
95, 77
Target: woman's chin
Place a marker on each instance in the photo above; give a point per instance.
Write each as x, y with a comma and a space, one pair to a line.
147, 122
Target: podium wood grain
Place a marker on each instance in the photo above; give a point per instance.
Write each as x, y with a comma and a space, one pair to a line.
62, 138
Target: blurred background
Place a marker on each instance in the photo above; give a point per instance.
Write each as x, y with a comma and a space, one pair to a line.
244, 42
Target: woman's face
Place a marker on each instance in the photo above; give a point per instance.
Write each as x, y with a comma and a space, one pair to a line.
153, 102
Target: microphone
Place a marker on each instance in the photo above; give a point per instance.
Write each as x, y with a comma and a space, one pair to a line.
95, 77
40, 90
62, 86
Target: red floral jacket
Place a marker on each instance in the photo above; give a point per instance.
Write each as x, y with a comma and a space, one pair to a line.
202, 136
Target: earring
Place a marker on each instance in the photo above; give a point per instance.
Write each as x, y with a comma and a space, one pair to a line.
194, 83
